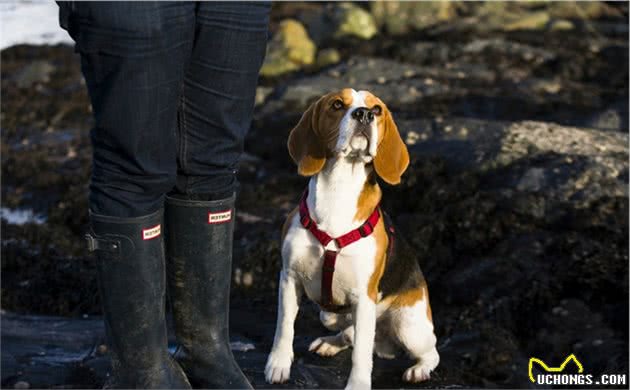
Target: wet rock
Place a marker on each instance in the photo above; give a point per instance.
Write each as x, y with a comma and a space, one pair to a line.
521, 16
437, 18
583, 10
532, 180
339, 22
423, 53
533, 163
509, 17
500, 358
494, 14
101, 349
400, 17
533, 21
614, 118
327, 57
591, 156
261, 94
562, 25
290, 49
540, 16
365, 73
501, 47
36, 72
597, 345
545, 189
352, 20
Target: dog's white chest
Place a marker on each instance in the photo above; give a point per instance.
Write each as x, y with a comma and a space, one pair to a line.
304, 256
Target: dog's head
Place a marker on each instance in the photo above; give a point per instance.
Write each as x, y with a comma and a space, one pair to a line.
353, 125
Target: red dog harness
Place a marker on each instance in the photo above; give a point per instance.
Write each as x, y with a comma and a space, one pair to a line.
330, 256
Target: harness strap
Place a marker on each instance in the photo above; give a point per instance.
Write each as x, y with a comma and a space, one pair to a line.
330, 256
328, 269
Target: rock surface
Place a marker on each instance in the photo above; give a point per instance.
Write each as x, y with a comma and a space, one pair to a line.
401, 17
327, 57
352, 20
290, 49
516, 198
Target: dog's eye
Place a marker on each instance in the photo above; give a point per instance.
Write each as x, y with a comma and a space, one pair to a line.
337, 104
377, 110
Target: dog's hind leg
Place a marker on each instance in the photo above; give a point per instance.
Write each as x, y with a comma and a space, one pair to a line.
385, 347
332, 345
335, 322
385, 344
414, 331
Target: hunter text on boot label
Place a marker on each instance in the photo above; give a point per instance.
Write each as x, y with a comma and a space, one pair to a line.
220, 216
150, 233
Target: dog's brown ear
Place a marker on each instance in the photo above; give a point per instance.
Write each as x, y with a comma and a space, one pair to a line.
304, 145
392, 157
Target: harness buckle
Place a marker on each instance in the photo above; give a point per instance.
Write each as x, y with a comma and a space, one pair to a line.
332, 246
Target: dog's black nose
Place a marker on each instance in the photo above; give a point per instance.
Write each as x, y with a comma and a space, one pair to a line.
363, 115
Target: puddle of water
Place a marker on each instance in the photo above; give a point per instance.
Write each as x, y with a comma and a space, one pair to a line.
21, 216
61, 356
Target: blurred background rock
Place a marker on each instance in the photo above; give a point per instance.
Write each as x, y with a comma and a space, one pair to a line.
516, 200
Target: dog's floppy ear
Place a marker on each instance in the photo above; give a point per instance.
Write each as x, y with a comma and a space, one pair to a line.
304, 145
392, 157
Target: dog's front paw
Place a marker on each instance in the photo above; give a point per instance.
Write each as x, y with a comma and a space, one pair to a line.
359, 382
278, 368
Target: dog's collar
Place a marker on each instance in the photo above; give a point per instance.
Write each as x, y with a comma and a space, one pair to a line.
330, 256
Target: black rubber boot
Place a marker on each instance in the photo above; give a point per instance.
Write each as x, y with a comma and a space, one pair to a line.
199, 268
132, 283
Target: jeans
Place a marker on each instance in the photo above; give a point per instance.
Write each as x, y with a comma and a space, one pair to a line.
172, 87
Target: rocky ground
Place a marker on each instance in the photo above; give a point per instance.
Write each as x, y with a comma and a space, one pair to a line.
516, 199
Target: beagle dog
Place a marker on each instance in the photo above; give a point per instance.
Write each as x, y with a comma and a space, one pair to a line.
340, 249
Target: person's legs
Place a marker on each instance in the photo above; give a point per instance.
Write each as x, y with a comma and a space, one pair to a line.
133, 57
216, 112
218, 96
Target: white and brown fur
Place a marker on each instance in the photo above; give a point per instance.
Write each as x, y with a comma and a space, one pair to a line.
389, 299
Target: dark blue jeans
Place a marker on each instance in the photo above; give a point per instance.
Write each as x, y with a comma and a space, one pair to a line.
172, 87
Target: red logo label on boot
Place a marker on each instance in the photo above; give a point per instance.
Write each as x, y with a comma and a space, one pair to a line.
150, 233
220, 216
